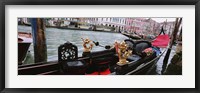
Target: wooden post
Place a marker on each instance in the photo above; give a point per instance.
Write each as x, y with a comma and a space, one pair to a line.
174, 33
180, 35
166, 24
169, 30
39, 39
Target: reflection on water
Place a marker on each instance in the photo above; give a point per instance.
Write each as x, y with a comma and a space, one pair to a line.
56, 37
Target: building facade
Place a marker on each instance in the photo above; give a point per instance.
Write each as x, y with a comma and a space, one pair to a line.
120, 24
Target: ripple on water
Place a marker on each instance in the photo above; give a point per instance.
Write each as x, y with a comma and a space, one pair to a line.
55, 37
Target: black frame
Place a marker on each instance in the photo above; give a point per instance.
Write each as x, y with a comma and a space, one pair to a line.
3, 3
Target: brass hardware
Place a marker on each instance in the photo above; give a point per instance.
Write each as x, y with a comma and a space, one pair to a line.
123, 53
87, 45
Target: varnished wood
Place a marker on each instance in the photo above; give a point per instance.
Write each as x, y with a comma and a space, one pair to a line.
39, 40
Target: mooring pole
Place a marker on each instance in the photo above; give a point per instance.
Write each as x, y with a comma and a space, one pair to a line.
180, 35
39, 39
174, 33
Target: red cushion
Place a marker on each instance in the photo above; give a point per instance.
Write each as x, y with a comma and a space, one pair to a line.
106, 72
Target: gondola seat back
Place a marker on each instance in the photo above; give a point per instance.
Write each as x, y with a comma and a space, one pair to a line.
120, 70
68, 59
101, 60
142, 45
138, 58
137, 47
101, 57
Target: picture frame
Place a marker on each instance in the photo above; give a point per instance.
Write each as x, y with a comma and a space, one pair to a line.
97, 2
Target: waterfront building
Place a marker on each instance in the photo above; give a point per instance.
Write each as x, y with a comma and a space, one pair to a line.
119, 24
151, 27
24, 20
137, 25
115, 22
50, 22
142, 26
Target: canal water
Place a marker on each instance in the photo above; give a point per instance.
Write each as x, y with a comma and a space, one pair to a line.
56, 37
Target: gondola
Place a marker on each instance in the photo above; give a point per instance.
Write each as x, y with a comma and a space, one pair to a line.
96, 63
132, 36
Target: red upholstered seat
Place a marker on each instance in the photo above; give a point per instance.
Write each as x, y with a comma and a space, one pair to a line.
106, 72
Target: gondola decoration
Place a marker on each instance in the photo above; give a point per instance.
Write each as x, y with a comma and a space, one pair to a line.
123, 53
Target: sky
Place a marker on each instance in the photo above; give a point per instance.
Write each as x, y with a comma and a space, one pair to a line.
163, 19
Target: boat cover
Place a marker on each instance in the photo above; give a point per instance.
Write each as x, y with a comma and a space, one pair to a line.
161, 41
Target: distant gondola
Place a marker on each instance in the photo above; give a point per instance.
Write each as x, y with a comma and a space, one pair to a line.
132, 36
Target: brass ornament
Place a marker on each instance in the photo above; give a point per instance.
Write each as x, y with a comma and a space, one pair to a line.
123, 53
87, 45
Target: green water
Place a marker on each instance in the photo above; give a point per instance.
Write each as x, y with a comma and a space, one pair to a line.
56, 37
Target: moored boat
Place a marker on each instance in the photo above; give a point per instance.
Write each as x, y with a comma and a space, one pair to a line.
96, 63
132, 36
24, 42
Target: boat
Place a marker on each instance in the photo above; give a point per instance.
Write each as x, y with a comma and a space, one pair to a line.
104, 28
96, 63
27, 24
24, 42
132, 36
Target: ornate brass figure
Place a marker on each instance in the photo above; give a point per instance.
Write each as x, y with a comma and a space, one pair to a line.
123, 53
87, 45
